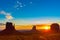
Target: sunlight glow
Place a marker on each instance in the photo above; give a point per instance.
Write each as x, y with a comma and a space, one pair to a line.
45, 27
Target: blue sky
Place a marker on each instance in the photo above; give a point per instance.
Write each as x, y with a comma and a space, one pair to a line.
30, 11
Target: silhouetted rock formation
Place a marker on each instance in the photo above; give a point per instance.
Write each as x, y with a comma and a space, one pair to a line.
34, 28
36, 34
9, 26
10, 29
55, 27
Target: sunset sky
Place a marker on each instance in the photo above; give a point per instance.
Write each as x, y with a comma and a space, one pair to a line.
30, 11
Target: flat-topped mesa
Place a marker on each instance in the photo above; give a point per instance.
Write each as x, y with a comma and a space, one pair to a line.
9, 26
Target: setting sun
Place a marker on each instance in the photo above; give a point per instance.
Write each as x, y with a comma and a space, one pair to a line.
44, 27
47, 27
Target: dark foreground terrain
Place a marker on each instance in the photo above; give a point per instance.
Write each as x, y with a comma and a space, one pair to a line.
33, 36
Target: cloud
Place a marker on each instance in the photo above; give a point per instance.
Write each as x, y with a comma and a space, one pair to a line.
19, 4
3, 12
7, 15
30, 2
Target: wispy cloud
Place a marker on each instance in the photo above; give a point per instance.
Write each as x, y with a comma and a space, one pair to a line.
7, 15
30, 2
21, 5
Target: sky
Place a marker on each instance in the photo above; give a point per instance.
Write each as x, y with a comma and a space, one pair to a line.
30, 11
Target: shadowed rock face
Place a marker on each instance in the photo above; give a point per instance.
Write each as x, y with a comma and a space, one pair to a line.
9, 26
9, 30
34, 28
55, 27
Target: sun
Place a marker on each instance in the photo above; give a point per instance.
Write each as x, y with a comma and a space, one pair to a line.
46, 27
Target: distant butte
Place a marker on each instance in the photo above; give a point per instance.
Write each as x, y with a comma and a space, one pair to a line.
10, 29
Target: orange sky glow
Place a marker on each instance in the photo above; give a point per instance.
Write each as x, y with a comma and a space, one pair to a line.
28, 27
